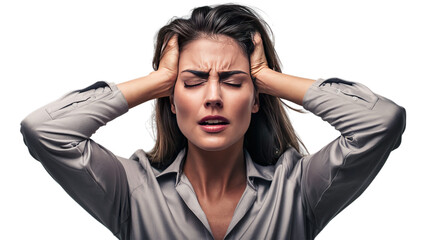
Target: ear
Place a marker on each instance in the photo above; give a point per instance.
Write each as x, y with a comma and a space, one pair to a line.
256, 106
172, 105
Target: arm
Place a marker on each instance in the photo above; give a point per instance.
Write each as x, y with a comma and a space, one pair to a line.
371, 127
58, 135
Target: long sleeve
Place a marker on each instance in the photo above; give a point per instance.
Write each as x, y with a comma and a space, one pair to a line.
371, 127
58, 135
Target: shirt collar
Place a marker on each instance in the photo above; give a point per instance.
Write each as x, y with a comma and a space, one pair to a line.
175, 167
253, 170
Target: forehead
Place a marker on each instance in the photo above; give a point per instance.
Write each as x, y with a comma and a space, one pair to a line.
218, 52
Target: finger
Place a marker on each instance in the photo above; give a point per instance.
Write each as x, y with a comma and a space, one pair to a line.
173, 42
258, 45
257, 59
257, 39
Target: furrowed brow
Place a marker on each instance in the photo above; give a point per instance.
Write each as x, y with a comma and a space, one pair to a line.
225, 75
201, 74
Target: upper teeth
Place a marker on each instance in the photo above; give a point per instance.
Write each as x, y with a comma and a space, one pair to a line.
213, 121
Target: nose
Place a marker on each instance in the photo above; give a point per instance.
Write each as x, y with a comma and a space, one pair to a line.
213, 95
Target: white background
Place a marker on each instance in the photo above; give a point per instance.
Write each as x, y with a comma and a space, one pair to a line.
48, 48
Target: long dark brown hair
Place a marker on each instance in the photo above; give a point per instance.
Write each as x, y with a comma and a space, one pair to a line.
270, 132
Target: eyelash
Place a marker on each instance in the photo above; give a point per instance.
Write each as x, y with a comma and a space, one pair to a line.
233, 84
194, 85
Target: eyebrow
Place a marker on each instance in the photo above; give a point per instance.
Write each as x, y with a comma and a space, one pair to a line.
222, 75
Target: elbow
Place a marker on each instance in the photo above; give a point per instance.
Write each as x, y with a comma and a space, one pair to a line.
30, 136
399, 122
393, 121
31, 124
31, 131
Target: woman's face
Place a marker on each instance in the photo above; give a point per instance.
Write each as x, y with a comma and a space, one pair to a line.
214, 94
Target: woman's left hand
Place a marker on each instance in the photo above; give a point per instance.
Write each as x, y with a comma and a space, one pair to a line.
272, 82
259, 65
258, 59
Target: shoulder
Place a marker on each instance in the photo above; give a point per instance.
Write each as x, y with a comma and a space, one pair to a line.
289, 164
138, 169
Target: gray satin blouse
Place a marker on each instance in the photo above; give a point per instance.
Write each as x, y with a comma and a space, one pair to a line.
294, 199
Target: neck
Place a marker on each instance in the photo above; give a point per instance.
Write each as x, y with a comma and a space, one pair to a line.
215, 173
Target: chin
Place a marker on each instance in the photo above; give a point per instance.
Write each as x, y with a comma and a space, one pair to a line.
214, 145
212, 148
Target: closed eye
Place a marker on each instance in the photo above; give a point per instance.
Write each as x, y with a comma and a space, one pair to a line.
233, 84
189, 83
233, 81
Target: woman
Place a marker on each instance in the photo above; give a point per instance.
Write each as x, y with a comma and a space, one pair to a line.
227, 163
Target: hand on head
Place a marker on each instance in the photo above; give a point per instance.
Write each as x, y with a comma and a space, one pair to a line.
258, 61
169, 60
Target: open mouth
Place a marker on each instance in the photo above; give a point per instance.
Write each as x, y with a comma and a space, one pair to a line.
214, 122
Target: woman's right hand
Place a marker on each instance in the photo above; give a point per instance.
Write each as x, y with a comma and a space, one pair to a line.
157, 84
169, 60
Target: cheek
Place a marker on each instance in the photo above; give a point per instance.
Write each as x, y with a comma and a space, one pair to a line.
242, 108
185, 104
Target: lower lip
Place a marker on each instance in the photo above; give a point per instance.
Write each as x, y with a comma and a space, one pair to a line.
213, 128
